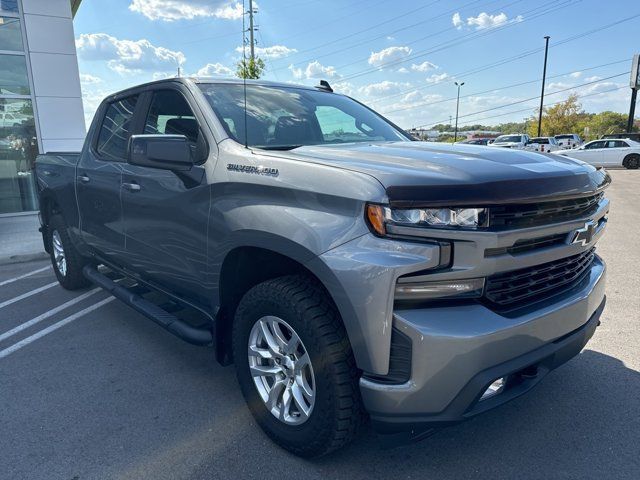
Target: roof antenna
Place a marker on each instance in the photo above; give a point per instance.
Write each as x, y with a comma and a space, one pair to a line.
244, 76
324, 85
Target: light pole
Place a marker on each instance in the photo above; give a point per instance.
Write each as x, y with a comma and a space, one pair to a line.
455, 132
544, 77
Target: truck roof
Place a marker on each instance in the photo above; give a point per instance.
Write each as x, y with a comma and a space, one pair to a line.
226, 80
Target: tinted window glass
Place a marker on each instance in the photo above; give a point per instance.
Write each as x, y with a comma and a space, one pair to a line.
170, 114
116, 129
593, 145
9, 6
13, 75
616, 144
285, 117
10, 34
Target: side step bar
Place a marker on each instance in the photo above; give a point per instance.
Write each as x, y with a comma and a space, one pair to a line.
181, 329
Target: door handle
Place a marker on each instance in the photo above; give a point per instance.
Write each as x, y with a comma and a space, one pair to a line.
83, 178
132, 187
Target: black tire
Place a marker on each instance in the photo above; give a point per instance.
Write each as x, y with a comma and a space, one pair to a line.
337, 413
632, 162
72, 278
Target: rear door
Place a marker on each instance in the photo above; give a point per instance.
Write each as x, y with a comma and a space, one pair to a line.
98, 178
615, 152
165, 212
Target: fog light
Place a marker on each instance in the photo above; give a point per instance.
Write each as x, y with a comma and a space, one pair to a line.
494, 389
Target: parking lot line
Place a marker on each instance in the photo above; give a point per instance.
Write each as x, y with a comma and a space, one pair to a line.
48, 314
11, 280
28, 294
52, 328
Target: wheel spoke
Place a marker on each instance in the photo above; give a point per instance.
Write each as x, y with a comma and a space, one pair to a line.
278, 335
275, 393
268, 337
285, 405
264, 370
302, 362
298, 398
255, 351
304, 386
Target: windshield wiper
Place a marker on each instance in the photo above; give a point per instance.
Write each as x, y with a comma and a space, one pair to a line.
278, 147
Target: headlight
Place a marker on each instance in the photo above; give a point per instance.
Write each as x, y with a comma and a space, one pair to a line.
380, 217
466, 288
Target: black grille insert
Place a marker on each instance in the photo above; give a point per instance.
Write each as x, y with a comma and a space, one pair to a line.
543, 213
519, 288
522, 246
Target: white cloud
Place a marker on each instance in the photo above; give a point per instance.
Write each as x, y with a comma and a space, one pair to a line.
275, 51
484, 20
438, 78
575, 74
345, 88
313, 70
423, 67
127, 56
214, 70
592, 79
456, 20
87, 79
403, 70
388, 55
386, 87
171, 10
558, 86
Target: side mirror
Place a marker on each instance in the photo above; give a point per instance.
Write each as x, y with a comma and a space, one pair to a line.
167, 152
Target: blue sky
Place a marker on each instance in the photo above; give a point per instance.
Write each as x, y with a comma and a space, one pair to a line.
401, 57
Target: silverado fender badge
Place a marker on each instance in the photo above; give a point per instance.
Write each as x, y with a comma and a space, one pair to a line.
585, 234
259, 170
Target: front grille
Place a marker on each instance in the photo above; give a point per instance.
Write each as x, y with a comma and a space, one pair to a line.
522, 246
543, 213
519, 288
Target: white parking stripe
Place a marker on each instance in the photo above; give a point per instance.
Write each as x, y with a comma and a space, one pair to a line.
28, 294
46, 315
52, 328
11, 280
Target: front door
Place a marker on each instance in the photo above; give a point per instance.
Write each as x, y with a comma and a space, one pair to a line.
165, 212
98, 179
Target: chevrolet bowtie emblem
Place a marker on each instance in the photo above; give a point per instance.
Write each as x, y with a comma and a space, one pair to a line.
585, 234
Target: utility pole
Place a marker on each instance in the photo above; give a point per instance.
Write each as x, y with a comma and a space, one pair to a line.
251, 29
455, 132
634, 83
544, 78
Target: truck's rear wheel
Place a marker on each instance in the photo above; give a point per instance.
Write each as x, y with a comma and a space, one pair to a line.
67, 261
295, 366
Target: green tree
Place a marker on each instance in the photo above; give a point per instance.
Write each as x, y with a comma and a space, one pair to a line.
250, 69
599, 124
564, 117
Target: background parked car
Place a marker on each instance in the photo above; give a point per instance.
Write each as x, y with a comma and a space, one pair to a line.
476, 141
570, 140
607, 153
511, 141
631, 136
542, 144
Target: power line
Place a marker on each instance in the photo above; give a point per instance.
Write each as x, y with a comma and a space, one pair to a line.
497, 89
530, 99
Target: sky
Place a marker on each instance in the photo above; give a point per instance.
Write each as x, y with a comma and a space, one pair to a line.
400, 57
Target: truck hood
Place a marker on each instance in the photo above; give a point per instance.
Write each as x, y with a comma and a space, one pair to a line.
428, 173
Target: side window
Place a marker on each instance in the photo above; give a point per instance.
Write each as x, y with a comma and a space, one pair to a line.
593, 145
170, 114
616, 144
116, 129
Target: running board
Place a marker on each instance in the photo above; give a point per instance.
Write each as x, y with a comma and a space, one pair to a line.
171, 323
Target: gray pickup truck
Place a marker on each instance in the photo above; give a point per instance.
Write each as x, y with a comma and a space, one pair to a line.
350, 273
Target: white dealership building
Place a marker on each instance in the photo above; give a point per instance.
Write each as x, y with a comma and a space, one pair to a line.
40, 97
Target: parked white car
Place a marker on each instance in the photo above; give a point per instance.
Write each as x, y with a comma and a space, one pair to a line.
511, 141
542, 144
570, 140
607, 153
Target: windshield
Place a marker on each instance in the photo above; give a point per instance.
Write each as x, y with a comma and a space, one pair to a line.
563, 137
285, 118
540, 140
508, 138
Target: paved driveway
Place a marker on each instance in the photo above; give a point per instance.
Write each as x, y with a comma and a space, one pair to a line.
90, 389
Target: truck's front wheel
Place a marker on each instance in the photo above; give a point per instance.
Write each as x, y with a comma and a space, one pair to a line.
67, 261
295, 366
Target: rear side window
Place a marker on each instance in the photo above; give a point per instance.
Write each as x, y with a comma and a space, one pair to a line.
116, 129
616, 144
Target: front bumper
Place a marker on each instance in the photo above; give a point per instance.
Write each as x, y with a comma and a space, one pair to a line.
458, 351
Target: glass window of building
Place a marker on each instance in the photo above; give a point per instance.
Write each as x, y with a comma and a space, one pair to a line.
10, 34
10, 6
18, 151
13, 75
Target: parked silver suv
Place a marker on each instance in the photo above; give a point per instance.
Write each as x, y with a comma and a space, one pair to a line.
348, 271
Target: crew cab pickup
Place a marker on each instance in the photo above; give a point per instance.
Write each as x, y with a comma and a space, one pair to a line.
350, 273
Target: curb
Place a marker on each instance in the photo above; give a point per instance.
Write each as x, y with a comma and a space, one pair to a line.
31, 257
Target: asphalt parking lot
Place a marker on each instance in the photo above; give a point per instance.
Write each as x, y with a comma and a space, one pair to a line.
91, 389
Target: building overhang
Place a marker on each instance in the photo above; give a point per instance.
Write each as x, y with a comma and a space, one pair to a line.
75, 4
